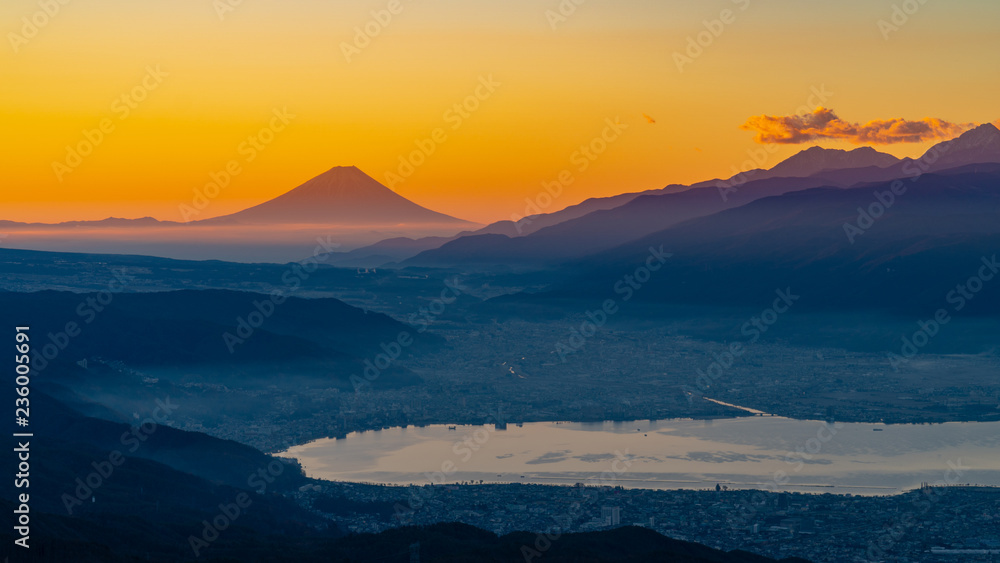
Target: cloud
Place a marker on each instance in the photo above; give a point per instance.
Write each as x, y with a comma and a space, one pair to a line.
823, 123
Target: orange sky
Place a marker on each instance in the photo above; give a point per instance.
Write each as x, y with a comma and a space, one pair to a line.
221, 79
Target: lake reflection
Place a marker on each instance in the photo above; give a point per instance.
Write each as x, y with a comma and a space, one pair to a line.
669, 454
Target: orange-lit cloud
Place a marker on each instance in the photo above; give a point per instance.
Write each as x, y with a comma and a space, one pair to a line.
823, 123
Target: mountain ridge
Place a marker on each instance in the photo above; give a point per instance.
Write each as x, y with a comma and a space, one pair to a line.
645, 214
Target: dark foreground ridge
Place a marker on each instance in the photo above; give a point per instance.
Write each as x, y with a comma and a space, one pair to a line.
438, 543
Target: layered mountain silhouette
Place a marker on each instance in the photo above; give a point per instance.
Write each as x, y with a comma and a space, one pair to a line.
397, 249
645, 214
600, 230
843, 247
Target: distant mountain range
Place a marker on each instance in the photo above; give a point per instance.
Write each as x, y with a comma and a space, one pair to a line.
865, 264
645, 214
937, 231
815, 160
345, 201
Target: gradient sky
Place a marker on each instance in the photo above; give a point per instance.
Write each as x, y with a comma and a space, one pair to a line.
611, 59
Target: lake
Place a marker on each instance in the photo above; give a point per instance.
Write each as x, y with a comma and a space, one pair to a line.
752, 452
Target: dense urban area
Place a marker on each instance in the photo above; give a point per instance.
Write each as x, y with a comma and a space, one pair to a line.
609, 381
938, 522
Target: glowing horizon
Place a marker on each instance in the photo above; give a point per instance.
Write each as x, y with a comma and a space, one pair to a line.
210, 81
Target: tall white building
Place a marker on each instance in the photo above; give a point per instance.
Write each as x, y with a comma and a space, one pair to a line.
611, 515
